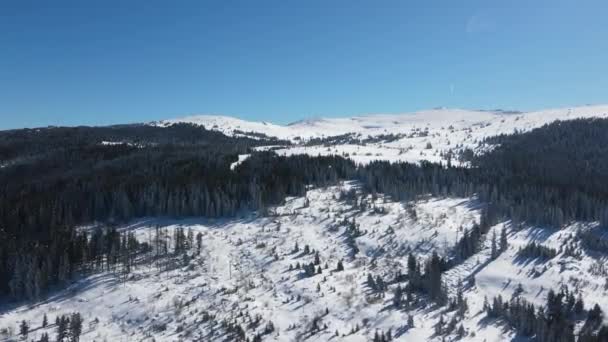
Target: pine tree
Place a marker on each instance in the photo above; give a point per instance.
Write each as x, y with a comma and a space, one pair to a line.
579, 306
24, 329
64, 267
461, 302
62, 326
76, 326
370, 282
190, 238
397, 295
461, 332
432, 275
16, 282
486, 305
413, 271
379, 283
504, 244
439, 326
494, 250
199, 242
340, 267
44, 321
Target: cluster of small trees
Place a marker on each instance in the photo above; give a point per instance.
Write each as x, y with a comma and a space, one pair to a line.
536, 250
308, 269
472, 241
68, 328
381, 336
427, 281
377, 285
351, 232
553, 322
33, 271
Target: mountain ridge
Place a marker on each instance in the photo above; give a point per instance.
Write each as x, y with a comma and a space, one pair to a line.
377, 123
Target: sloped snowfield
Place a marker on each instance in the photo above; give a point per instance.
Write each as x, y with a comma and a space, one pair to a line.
425, 135
247, 271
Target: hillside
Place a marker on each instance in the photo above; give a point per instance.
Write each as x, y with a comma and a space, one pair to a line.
425, 135
248, 272
180, 232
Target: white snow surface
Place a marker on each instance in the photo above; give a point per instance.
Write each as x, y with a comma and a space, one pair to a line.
423, 135
245, 267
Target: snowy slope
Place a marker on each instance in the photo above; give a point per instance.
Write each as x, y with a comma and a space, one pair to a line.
247, 269
228, 125
238, 254
487, 122
424, 135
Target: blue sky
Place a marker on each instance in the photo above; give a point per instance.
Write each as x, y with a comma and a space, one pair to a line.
103, 62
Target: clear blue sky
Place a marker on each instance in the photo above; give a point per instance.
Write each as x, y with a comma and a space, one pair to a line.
102, 62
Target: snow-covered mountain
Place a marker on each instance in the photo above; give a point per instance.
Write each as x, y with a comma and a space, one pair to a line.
229, 125
411, 137
490, 122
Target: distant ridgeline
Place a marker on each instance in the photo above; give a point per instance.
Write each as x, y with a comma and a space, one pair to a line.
53, 179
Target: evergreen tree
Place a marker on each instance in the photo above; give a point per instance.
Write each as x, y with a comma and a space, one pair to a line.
397, 296
461, 332
199, 242
75, 326
579, 305
494, 250
340, 267
432, 277
439, 326
504, 244
380, 286
62, 327
24, 329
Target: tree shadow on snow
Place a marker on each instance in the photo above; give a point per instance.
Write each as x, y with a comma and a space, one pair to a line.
497, 322
57, 295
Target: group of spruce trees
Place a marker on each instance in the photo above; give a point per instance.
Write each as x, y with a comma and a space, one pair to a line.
101, 250
553, 322
68, 328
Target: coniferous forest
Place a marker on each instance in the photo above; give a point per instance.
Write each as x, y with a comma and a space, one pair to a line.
55, 179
